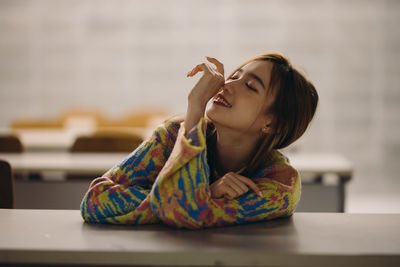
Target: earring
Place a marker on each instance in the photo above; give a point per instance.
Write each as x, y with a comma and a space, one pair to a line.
265, 129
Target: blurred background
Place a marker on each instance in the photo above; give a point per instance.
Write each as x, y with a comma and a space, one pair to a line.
116, 57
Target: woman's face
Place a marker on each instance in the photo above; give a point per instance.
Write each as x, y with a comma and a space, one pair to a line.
242, 102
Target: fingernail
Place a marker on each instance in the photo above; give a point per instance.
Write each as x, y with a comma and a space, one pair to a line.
260, 194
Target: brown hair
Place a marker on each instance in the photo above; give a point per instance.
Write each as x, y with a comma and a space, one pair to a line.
293, 109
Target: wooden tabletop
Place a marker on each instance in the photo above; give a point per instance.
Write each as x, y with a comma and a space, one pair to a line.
305, 239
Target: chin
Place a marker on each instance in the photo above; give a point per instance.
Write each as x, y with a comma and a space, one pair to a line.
214, 116
222, 117
211, 114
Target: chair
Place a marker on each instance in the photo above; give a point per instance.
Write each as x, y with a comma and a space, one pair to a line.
10, 144
6, 186
106, 143
103, 143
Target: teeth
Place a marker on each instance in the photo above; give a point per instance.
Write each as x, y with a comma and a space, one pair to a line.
221, 100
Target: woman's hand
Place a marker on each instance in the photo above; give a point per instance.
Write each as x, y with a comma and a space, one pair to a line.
233, 185
208, 85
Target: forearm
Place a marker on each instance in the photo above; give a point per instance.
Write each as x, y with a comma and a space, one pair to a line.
107, 202
120, 195
205, 88
193, 116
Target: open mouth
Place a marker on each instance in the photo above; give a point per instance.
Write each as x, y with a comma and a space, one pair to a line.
220, 100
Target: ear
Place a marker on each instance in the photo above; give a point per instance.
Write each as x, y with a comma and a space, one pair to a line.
267, 129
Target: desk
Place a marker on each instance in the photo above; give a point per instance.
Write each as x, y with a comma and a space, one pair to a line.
306, 164
63, 138
79, 163
306, 239
309, 166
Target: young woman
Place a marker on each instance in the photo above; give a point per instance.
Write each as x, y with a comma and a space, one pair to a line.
219, 164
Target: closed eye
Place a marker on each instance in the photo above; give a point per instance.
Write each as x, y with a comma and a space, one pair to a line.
251, 88
235, 77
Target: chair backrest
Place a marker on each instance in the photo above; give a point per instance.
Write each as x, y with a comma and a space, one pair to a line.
10, 143
106, 143
6, 186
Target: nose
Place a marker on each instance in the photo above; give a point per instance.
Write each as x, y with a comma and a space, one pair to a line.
228, 87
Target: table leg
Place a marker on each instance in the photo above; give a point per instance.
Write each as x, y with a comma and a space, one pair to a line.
343, 179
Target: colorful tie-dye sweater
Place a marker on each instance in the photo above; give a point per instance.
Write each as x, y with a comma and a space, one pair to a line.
166, 179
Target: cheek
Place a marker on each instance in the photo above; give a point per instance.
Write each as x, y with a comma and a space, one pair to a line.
250, 104
248, 111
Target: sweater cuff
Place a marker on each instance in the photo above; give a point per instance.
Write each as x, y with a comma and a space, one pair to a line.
196, 136
186, 147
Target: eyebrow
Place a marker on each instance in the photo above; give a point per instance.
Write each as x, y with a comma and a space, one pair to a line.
252, 75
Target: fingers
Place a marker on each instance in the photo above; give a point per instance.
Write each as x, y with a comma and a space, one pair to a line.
229, 189
237, 190
236, 184
219, 65
250, 184
198, 68
233, 185
229, 193
206, 68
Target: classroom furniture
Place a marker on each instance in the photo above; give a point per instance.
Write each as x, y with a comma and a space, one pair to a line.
144, 118
10, 143
60, 237
81, 117
307, 164
324, 177
36, 124
111, 142
54, 190
6, 186
59, 134
61, 140
77, 163
105, 142
323, 195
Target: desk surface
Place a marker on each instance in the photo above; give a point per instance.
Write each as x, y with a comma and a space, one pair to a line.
314, 164
305, 239
80, 163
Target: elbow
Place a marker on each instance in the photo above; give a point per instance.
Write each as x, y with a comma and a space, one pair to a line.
84, 211
92, 209
87, 212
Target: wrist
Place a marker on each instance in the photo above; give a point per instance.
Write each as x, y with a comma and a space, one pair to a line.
193, 116
195, 111
197, 104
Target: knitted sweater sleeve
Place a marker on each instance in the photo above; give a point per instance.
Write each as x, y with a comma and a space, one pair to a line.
121, 195
181, 197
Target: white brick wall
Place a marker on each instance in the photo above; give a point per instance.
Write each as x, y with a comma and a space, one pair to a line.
121, 55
